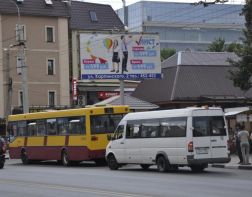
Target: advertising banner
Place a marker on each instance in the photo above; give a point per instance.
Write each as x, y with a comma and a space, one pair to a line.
120, 56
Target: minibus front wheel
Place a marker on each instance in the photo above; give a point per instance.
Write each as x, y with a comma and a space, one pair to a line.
112, 163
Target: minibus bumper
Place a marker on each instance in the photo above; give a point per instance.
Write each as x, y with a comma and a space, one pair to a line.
192, 160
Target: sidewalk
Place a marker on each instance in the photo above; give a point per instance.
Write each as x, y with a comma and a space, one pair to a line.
233, 164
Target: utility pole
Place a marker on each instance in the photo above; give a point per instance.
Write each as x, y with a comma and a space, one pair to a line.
21, 52
24, 75
121, 80
8, 83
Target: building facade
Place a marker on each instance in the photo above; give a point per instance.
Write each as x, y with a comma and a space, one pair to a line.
44, 33
184, 26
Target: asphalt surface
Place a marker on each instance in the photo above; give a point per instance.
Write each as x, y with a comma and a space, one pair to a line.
51, 180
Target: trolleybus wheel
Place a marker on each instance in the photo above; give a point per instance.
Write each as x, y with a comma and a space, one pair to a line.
64, 158
24, 157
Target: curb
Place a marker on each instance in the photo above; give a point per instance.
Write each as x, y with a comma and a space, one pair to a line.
241, 167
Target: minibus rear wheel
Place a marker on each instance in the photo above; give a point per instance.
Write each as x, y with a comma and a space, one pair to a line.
162, 164
112, 163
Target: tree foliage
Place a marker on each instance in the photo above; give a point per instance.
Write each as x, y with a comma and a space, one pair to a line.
167, 52
241, 75
218, 45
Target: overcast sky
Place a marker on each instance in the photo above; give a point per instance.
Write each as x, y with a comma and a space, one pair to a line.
116, 4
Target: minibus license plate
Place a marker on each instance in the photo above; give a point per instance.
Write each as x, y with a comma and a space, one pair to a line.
202, 150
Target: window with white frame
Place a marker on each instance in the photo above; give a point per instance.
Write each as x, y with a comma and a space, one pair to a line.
51, 98
20, 32
50, 37
51, 66
20, 98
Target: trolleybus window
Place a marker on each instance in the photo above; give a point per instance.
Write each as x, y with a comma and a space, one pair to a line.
62, 126
22, 128
32, 128
77, 125
41, 127
51, 126
104, 123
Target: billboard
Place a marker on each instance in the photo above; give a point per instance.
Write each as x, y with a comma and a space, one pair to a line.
119, 56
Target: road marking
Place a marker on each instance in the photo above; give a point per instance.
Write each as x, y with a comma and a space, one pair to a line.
70, 189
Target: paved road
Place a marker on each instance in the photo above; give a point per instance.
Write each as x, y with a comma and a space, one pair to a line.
88, 180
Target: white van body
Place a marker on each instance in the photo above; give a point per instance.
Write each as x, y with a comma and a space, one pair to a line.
190, 137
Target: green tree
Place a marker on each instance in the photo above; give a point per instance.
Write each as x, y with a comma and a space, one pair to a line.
218, 45
167, 52
234, 47
241, 75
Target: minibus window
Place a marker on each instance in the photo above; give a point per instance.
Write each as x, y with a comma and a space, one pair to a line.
173, 127
218, 126
119, 132
149, 130
133, 131
201, 126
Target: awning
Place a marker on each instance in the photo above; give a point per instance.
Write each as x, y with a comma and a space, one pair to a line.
232, 113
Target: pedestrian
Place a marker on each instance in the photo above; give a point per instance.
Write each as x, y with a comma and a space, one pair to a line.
124, 48
243, 136
237, 142
115, 58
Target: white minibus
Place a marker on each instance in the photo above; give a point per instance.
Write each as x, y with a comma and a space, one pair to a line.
170, 139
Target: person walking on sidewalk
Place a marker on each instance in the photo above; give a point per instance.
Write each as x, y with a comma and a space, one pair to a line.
237, 142
243, 136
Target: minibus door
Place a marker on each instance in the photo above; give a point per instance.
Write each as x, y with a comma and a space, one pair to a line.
118, 144
132, 144
201, 137
218, 137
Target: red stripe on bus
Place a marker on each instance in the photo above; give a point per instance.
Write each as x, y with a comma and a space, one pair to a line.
45, 140
76, 153
25, 141
66, 140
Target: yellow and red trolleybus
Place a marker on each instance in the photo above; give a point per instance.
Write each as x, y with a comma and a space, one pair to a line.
68, 136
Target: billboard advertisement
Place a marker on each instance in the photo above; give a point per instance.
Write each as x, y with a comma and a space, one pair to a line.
119, 56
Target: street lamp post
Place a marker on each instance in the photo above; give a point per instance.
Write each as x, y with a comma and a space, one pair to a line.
21, 46
121, 80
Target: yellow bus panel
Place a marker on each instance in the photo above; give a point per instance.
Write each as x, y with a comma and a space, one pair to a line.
56, 141
18, 142
35, 141
77, 140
